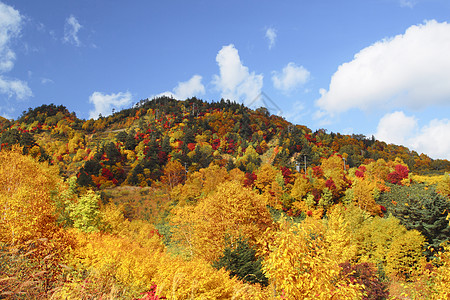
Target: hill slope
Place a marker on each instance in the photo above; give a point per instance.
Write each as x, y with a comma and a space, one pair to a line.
194, 132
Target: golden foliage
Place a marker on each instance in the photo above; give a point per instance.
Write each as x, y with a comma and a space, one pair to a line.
387, 242
364, 192
230, 212
133, 258
267, 183
442, 276
301, 187
333, 168
26, 208
338, 236
174, 173
443, 185
405, 255
300, 267
200, 184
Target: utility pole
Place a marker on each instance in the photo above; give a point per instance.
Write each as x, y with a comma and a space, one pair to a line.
304, 156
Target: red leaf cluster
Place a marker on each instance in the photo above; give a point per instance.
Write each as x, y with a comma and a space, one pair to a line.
401, 172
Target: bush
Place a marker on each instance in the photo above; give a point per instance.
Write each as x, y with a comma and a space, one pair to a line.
366, 273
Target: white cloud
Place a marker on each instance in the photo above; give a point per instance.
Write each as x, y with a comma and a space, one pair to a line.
409, 70
396, 128
46, 80
71, 29
431, 139
271, 36
186, 89
291, 77
10, 26
297, 112
235, 81
408, 3
164, 94
104, 103
15, 87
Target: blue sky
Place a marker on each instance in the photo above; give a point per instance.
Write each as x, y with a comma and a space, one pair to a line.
378, 67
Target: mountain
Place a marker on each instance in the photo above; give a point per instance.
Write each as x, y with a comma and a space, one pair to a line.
194, 132
191, 199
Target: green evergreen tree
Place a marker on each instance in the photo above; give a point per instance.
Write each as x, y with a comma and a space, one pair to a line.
241, 262
421, 208
130, 141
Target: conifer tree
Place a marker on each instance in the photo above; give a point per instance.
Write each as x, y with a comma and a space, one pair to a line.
420, 208
241, 262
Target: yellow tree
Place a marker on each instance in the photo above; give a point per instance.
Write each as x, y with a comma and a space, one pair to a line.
301, 188
200, 184
443, 185
385, 241
267, 183
231, 212
334, 172
364, 191
405, 255
28, 225
26, 208
299, 265
174, 173
338, 236
442, 276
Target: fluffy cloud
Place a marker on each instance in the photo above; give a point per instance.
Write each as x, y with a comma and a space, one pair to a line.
15, 87
291, 77
271, 36
396, 128
104, 103
235, 81
10, 26
409, 70
186, 89
431, 139
192, 87
71, 29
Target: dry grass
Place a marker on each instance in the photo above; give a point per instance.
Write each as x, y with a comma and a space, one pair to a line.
145, 203
24, 275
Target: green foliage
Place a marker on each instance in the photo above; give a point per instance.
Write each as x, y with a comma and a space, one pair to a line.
250, 161
85, 213
240, 260
326, 199
23, 138
64, 201
421, 208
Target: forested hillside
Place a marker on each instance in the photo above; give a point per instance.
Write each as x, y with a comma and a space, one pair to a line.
196, 200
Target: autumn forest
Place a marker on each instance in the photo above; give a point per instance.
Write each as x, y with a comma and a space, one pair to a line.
191, 199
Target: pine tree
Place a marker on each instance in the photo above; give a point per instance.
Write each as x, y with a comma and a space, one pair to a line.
422, 209
241, 262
